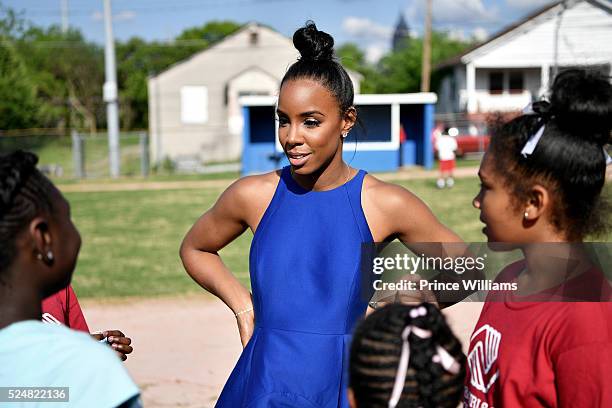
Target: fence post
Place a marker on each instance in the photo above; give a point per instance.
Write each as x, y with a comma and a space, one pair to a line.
78, 154
144, 154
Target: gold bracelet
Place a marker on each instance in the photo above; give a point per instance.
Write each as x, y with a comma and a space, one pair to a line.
243, 311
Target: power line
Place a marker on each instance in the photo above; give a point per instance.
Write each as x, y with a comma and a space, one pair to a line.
176, 6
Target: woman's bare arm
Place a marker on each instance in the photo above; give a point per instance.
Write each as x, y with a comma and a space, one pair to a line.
239, 207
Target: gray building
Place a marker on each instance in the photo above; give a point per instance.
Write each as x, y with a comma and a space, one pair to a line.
193, 106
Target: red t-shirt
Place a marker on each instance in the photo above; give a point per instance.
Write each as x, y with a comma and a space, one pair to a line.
63, 308
541, 354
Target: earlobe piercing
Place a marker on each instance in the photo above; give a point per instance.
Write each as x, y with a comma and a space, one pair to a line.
49, 258
344, 135
526, 214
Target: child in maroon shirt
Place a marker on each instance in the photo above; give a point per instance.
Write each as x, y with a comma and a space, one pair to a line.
549, 343
63, 308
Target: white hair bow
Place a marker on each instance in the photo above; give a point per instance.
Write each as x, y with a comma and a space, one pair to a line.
533, 140
441, 357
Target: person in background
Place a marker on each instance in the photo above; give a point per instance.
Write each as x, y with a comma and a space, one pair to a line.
446, 145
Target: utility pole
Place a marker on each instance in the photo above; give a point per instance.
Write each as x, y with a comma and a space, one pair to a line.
110, 93
556, 44
426, 50
64, 16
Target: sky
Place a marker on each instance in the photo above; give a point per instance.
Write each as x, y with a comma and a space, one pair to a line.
368, 23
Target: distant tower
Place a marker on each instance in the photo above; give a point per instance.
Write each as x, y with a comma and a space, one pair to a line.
401, 34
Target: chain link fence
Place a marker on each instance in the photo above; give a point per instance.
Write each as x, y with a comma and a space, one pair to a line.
82, 155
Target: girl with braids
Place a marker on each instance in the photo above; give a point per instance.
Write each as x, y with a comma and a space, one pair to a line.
309, 222
37, 257
405, 356
542, 179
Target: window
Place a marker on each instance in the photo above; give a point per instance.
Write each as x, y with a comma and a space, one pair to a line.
253, 37
194, 105
516, 82
496, 82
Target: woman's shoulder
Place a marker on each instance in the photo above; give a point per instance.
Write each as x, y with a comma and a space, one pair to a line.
253, 186
248, 197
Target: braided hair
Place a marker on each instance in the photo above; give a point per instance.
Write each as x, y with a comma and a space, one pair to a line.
24, 193
569, 158
317, 62
375, 358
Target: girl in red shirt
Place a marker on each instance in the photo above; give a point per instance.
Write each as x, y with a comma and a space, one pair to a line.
542, 179
63, 308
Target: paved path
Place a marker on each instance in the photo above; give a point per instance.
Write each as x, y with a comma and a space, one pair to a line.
185, 348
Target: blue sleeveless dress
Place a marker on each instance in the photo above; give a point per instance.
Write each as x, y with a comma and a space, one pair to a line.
307, 294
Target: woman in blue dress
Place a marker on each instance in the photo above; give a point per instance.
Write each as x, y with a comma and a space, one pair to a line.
309, 222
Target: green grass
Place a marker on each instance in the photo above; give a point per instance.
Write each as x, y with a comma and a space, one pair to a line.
131, 239
462, 162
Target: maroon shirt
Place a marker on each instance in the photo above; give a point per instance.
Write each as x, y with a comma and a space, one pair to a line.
541, 354
63, 308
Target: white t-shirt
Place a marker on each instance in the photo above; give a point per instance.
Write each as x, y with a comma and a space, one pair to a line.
35, 354
446, 146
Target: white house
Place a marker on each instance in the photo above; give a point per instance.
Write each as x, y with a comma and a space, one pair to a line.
515, 66
193, 105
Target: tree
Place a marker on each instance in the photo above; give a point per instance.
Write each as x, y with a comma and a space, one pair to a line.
353, 58
68, 73
400, 71
18, 107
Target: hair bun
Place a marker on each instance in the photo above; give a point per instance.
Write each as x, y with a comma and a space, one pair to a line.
313, 45
582, 104
15, 169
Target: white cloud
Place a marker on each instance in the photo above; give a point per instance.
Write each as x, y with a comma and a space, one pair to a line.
480, 34
527, 4
457, 34
453, 11
375, 52
366, 28
374, 38
123, 15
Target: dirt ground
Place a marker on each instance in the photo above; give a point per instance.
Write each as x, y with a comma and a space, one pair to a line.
186, 347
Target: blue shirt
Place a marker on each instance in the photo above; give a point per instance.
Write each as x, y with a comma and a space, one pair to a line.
34, 354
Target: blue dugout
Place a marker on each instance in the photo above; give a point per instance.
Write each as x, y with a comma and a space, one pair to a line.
377, 148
